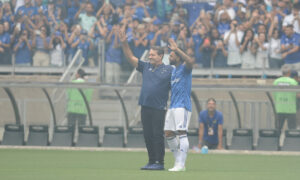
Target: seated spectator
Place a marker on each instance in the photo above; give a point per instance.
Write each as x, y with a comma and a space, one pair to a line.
57, 46
290, 47
40, 43
248, 50
23, 49
211, 126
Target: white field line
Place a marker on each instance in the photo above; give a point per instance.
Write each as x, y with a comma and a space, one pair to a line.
282, 153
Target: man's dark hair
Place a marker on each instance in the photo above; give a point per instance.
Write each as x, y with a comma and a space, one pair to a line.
81, 73
159, 50
211, 99
290, 26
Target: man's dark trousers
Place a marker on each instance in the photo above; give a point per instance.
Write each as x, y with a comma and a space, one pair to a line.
153, 121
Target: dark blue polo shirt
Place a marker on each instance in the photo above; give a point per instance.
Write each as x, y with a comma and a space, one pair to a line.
211, 122
156, 85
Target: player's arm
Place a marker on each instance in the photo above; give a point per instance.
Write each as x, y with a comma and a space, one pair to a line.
220, 136
187, 59
126, 49
201, 132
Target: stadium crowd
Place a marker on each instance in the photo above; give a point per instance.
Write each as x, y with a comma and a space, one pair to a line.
244, 34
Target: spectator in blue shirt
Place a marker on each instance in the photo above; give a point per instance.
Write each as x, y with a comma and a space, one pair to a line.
7, 13
39, 7
140, 41
154, 34
5, 56
290, 47
141, 10
224, 23
23, 49
73, 38
27, 9
113, 56
211, 126
194, 9
219, 50
85, 45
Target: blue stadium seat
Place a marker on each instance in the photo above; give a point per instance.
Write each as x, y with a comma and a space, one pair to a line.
135, 137
242, 139
88, 136
268, 140
291, 141
13, 135
38, 135
63, 136
113, 137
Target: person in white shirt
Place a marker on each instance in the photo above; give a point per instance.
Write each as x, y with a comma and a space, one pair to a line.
262, 51
293, 19
248, 50
275, 59
228, 8
57, 47
233, 39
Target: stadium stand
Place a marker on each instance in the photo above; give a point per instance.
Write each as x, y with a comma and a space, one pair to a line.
38, 135
268, 140
88, 136
63, 136
291, 141
135, 137
113, 137
13, 135
242, 139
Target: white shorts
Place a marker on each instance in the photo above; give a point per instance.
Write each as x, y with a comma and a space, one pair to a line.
177, 119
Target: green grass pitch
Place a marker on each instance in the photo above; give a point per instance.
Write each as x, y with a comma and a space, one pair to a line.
89, 165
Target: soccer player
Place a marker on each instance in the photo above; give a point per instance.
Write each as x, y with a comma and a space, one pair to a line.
179, 113
153, 100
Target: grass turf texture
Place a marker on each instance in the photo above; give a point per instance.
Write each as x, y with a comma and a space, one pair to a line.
88, 165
